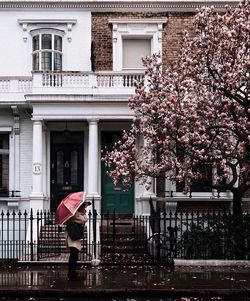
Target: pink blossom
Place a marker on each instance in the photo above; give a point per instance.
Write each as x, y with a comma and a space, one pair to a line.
196, 111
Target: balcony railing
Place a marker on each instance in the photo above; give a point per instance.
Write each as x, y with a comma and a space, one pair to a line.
44, 82
63, 79
86, 80
13, 84
118, 80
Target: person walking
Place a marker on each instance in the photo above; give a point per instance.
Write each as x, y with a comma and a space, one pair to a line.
74, 234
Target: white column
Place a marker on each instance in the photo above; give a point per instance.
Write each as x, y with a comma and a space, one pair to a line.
93, 159
36, 197
93, 165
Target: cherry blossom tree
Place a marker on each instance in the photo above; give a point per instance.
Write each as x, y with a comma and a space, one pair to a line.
196, 113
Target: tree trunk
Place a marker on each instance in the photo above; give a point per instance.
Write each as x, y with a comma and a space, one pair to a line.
238, 235
237, 200
160, 192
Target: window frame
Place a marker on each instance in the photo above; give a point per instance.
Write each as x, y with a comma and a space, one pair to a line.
136, 38
148, 28
8, 153
46, 31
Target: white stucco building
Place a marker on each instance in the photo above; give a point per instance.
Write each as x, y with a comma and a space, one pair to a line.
58, 110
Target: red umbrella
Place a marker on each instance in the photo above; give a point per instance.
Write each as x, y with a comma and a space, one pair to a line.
68, 206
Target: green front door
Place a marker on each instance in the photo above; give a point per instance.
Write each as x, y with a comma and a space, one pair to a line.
114, 197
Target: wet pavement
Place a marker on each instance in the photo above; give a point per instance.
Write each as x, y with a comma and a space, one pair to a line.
130, 283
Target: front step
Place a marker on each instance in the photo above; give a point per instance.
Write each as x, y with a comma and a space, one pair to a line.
52, 240
122, 237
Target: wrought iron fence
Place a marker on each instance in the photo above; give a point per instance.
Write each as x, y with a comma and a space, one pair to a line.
156, 238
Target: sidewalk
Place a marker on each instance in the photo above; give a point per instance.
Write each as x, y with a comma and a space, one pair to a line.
104, 282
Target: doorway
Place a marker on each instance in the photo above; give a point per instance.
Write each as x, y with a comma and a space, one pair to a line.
66, 165
114, 197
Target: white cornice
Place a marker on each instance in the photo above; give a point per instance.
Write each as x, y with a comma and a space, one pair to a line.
117, 6
47, 21
138, 21
75, 98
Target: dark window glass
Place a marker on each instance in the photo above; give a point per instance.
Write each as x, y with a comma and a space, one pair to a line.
46, 41
58, 43
36, 43
59, 167
201, 185
46, 61
74, 167
57, 62
4, 164
35, 61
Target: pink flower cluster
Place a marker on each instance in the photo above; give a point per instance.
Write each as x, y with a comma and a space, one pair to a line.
196, 112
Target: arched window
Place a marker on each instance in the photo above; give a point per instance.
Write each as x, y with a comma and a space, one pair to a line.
47, 50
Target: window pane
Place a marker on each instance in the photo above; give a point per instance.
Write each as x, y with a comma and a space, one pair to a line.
59, 168
35, 42
46, 61
58, 43
57, 62
35, 63
73, 171
202, 185
4, 165
134, 50
46, 41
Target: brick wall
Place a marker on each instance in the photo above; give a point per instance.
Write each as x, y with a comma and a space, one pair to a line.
171, 38
102, 35
172, 35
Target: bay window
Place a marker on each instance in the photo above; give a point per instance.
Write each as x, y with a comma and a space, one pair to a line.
47, 51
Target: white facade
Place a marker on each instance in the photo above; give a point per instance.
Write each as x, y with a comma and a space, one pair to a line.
36, 106
16, 49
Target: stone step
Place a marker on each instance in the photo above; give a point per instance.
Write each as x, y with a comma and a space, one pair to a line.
123, 236
55, 249
123, 239
54, 228
51, 240
45, 234
122, 229
125, 244
123, 250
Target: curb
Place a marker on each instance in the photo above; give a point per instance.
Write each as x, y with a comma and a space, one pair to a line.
177, 263
100, 294
211, 262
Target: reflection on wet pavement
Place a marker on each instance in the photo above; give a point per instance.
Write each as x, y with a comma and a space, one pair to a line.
143, 278
129, 277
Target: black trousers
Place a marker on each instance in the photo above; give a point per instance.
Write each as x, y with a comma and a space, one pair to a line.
73, 258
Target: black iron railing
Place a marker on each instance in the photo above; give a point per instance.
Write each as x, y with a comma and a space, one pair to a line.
158, 238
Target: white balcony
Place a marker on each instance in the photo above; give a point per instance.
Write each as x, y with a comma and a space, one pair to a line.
86, 83
15, 84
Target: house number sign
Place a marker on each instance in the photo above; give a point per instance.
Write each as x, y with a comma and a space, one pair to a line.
37, 168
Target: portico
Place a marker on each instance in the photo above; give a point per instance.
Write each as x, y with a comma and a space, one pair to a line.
76, 116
